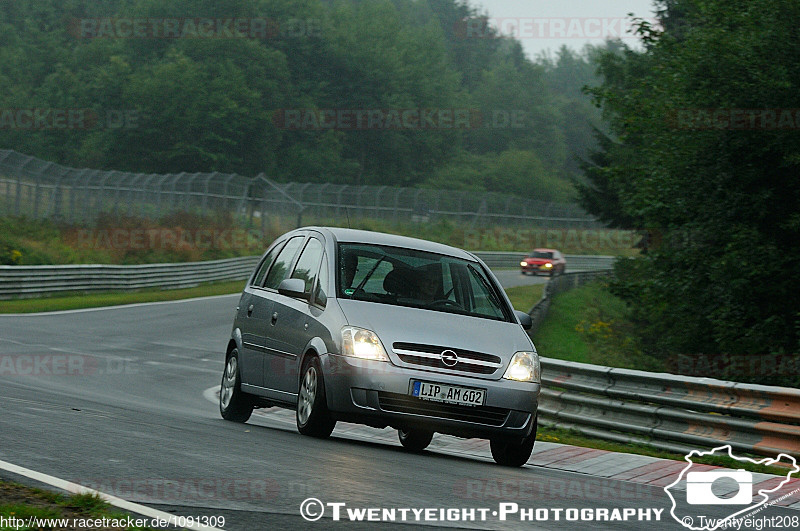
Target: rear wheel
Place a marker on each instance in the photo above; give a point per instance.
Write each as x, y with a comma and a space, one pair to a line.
415, 440
513, 452
234, 405
313, 417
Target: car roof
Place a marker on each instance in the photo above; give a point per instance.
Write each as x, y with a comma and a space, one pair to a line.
545, 250
392, 240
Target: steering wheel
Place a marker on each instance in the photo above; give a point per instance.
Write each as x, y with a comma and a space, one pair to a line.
447, 302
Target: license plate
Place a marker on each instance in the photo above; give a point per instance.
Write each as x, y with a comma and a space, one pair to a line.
450, 394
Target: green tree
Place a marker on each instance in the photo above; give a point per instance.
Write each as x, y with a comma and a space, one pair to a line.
723, 198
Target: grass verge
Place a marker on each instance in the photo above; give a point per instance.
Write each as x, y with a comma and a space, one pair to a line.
590, 325
523, 298
27, 503
93, 300
188, 237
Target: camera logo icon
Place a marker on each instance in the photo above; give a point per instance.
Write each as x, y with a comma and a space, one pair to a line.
699, 487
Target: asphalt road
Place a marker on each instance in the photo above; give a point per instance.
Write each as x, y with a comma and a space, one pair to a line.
511, 278
113, 399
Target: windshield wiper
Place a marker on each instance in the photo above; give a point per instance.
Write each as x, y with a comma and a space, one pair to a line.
361, 284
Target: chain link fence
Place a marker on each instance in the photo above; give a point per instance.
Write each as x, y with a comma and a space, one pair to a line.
39, 189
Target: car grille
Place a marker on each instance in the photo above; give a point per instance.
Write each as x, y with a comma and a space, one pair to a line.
431, 356
492, 416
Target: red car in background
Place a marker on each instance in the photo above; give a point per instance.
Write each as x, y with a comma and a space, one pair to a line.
547, 261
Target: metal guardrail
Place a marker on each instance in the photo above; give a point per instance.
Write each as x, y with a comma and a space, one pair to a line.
35, 281
670, 412
666, 411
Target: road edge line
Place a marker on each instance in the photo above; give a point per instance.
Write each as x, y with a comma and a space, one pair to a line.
117, 306
74, 488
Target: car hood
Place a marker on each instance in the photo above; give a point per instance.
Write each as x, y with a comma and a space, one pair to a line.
539, 261
429, 327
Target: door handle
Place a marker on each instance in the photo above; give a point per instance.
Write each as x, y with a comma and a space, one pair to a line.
249, 310
274, 317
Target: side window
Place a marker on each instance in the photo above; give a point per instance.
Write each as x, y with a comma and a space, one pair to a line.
264, 267
485, 301
308, 263
280, 269
320, 295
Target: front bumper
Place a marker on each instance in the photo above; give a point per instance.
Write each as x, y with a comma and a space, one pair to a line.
377, 394
533, 268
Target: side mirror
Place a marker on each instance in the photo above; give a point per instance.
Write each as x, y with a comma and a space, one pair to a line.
293, 287
524, 319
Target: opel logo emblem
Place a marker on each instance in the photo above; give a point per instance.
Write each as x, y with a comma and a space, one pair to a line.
449, 358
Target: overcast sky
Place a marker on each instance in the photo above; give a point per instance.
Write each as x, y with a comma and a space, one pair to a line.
544, 24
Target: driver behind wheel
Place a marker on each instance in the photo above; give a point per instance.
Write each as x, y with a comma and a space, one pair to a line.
429, 284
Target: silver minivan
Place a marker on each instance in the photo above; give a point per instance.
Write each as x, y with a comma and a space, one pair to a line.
383, 330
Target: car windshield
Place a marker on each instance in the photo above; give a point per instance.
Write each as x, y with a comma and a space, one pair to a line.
541, 254
418, 279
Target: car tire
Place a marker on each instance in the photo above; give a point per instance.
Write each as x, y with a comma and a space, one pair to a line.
234, 404
513, 452
312, 414
415, 440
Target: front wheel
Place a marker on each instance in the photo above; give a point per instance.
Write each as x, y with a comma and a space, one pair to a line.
313, 417
234, 404
415, 440
513, 452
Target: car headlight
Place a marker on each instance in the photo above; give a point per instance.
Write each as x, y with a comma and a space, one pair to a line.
523, 264
524, 367
362, 343
548, 264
